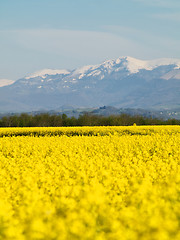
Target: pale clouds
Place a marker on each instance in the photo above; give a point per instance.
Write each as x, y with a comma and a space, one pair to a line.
25, 51
31, 50
114, 41
79, 44
152, 42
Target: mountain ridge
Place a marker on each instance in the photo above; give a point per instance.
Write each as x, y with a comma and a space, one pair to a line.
132, 64
122, 82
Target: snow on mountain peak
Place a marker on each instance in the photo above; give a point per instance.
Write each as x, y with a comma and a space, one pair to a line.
5, 82
42, 73
133, 65
129, 64
164, 61
82, 71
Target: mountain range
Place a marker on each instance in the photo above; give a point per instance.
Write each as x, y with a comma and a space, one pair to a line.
125, 82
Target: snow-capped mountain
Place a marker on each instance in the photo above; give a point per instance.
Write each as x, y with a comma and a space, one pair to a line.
5, 82
123, 82
43, 73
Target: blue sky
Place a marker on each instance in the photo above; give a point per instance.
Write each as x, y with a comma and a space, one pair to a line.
37, 34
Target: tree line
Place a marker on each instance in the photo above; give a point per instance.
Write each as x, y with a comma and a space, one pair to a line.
87, 119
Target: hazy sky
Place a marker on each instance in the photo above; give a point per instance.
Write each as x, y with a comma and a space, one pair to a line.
37, 34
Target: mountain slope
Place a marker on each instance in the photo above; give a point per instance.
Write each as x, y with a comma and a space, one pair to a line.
124, 82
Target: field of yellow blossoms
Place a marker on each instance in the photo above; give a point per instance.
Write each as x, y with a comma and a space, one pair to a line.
90, 183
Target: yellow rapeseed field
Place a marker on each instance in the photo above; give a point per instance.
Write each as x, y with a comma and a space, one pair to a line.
92, 183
